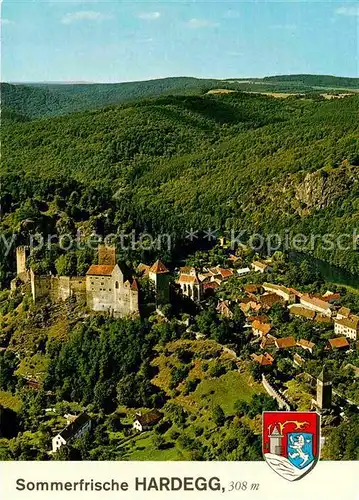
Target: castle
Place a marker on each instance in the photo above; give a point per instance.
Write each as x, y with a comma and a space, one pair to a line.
104, 288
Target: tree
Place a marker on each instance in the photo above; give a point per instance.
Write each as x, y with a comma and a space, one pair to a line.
66, 264
241, 407
218, 416
8, 423
158, 441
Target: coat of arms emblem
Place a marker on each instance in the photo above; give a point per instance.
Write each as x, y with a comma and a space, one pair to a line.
291, 442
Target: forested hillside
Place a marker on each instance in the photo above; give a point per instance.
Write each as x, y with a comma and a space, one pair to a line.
40, 100
234, 161
36, 100
316, 80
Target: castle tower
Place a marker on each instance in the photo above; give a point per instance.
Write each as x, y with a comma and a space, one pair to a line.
159, 274
324, 390
275, 442
134, 302
106, 255
22, 254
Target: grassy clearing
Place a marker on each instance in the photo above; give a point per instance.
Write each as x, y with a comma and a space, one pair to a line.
223, 390
9, 401
33, 367
299, 392
221, 91
226, 390
141, 448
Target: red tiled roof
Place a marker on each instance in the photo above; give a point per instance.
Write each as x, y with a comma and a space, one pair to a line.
251, 288
225, 273
263, 359
186, 270
268, 341
285, 343
269, 299
158, 268
149, 418
264, 328
338, 343
185, 278
322, 318
330, 297
212, 285
315, 301
302, 311
305, 344
143, 268
134, 285
262, 318
100, 270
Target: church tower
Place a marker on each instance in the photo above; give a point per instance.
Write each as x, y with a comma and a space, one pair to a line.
159, 274
324, 390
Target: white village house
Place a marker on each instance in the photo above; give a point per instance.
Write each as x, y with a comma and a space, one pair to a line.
282, 291
316, 304
349, 327
143, 422
74, 429
260, 266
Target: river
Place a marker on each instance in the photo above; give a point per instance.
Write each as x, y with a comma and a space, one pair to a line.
329, 273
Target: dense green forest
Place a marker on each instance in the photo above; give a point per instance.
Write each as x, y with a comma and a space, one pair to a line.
315, 80
36, 100
235, 161
167, 164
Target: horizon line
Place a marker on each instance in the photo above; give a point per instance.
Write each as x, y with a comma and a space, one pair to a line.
80, 82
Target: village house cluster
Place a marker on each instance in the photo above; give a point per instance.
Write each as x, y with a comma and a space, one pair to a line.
109, 288
257, 301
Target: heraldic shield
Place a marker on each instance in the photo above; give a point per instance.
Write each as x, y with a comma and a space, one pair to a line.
291, 442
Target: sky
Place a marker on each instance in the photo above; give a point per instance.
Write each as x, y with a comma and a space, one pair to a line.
117, 41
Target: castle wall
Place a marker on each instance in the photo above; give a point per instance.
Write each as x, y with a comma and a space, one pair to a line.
78, 287
63, 291
40, 287
101, 293
57, 287
282, 403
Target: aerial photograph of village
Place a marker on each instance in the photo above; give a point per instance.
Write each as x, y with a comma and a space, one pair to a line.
179, 227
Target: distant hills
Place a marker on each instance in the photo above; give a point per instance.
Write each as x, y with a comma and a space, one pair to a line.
316, 81
171, 163
36, 100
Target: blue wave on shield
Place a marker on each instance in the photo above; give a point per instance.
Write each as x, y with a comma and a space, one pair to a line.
300, 449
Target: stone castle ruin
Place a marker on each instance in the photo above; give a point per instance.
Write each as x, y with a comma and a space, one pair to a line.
103, 289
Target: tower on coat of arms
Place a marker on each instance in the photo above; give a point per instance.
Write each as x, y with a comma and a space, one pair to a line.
291, 442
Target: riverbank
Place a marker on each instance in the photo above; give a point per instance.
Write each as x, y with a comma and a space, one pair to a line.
331, 274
